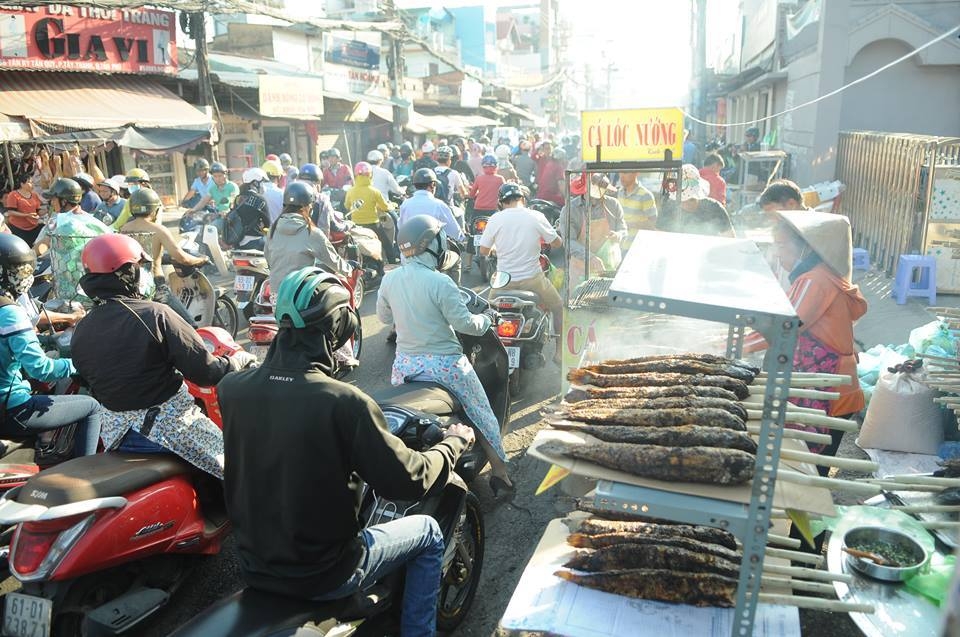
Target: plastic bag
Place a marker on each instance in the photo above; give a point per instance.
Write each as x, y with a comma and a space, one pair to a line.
902, 415
609, 254
934, 338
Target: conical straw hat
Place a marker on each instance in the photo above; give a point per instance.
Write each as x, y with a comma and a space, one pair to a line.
827, 234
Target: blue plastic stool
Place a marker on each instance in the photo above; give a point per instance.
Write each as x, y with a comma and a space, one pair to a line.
926, 283
861, 259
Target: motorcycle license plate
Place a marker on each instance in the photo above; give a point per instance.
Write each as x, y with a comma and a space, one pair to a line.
476, 240
27, 616
513, 357
243, 283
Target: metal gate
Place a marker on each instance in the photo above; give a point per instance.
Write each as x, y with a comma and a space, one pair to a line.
888, 178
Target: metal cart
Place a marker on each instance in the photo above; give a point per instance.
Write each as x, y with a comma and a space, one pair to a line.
755, 171
722, 281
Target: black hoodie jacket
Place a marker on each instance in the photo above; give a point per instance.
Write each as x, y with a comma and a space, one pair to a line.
297, 444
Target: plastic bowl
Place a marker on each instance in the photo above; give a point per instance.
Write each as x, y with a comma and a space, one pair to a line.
857, 536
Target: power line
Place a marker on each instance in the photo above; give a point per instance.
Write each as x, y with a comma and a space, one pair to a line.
907, 56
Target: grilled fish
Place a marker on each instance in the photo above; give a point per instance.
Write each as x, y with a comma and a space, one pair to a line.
711, 359
586, 377
710, 465
708, 534
664, 585
629, 556
623, 516
704, 417
673, 366
677, 402
682, 436
588, 392
584, 541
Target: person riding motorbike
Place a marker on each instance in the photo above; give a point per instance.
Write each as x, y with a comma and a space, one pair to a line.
367, 204
20, 351
516, 232
221, 193
135, 354
427, 310
323, 214
272, 188
155, 238
325, 437
135, 179
251, 205
403, 166
201, 183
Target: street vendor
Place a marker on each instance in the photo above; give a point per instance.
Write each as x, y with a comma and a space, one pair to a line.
816, 249
607, 226
697, 213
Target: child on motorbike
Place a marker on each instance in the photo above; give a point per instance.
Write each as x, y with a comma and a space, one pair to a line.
425, 306
324, 438
23, 412
135, 354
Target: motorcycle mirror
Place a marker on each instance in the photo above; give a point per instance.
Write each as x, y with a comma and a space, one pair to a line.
499, 280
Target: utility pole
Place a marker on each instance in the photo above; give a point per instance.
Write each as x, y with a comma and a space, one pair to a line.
395, 69
198, 31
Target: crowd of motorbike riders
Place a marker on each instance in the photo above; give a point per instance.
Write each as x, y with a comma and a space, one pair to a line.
134, 353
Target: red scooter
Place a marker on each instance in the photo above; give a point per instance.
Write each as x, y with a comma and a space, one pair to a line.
102, 541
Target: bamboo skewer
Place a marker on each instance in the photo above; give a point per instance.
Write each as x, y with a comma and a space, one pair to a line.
796, 556
756, 402
853, 464
796, 584
815, 603
810, 379
783, 540
796, 392
929, 480
807, 573
817, 420
795, 434
888, 485
796, 477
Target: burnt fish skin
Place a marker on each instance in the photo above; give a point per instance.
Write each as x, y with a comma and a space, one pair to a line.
663, 585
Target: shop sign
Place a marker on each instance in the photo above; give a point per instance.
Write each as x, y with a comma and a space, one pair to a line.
351, 62
60, 37
640, 134
282, 96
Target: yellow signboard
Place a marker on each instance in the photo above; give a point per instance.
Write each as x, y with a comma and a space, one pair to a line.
639, 134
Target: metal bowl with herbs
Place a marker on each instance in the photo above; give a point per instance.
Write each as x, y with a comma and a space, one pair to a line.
883, 554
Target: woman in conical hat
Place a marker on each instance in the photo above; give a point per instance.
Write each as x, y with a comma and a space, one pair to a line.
816, 249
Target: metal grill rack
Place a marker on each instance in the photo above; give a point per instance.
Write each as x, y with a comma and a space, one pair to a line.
593, 293
726, 281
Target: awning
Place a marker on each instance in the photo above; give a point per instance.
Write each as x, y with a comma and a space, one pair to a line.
148, 140
88, 101
13, 129
522, 113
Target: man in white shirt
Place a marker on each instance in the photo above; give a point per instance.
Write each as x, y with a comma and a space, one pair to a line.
515, 232
271, 189
383, 180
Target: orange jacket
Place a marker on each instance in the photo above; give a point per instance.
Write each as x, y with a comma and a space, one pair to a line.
828, 306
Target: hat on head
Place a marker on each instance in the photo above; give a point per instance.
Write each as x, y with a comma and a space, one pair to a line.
692, 185
115, 183
827, 234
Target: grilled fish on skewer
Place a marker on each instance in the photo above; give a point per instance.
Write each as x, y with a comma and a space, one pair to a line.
672, 366
679, 402
682, 436
630, 556
711, 359
585, 541
705, 417
588, 392
623, 516
586, 377
597, 526
697, 589
710, 465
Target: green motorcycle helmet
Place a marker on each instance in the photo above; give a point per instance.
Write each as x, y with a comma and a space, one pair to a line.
144, 202
314, 297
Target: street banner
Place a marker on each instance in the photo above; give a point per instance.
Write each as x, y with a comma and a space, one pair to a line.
284, 96
59, 37
639, 134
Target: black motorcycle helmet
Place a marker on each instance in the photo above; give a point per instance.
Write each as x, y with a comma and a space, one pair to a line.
201, 164
144, 202
510, 191
424, 234
66, 190
424, 177
299, 194
17, 264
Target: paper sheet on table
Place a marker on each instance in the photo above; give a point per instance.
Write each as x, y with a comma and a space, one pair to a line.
899, 463
543, 602
786, 495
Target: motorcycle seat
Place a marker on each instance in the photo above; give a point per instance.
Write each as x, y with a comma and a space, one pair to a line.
427, 397
99, 476
523, 295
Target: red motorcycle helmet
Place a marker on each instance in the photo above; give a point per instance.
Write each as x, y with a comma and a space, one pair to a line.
272, 157
108, 252
363, 169
578, 185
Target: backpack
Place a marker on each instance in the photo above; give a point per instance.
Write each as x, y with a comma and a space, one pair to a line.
233, 231
443, 185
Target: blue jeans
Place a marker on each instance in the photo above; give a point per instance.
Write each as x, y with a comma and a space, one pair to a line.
136, 442
415, 542
43, 413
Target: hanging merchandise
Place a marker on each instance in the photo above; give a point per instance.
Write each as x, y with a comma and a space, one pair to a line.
57, 168
76, 164
92, 169
66, 166
46, 174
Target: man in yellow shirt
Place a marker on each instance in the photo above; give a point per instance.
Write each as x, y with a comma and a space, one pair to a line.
365, 203
639, 206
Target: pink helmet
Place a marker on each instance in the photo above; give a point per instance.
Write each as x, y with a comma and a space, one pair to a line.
363, 168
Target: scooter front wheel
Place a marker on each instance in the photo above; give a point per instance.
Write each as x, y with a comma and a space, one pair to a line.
226, 315
460, 581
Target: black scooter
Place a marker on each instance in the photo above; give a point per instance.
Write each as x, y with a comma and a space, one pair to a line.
417, 412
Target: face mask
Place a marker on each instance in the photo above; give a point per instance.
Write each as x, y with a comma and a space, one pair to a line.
132, 188
21, 279
146, 286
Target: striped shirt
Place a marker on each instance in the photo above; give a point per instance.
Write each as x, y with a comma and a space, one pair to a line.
639, 208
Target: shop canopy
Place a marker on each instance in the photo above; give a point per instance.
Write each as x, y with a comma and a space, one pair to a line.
88, 101
522, 113
147, 140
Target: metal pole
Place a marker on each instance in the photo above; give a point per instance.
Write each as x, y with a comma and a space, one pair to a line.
6, 156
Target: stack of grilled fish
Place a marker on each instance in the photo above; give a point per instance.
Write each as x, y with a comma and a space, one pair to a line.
673, 418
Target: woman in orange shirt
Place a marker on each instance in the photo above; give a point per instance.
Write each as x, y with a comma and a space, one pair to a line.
23, 210
816, 249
